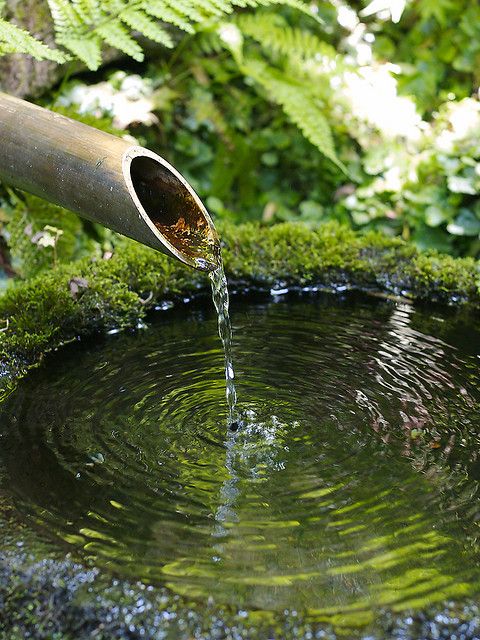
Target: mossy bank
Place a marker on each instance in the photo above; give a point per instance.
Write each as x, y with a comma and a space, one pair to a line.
88, 296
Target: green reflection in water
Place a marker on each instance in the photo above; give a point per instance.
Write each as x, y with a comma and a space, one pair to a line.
351, 487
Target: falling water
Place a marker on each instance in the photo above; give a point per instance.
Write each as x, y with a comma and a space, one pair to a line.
221, 302
196, 240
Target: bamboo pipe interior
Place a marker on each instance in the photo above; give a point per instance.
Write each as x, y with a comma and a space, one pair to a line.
175, 211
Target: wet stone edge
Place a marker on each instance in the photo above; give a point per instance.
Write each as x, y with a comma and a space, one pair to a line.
51, 599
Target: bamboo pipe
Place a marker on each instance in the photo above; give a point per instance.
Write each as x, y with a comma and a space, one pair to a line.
106, 179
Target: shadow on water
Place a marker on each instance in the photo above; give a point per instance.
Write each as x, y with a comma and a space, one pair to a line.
351, 486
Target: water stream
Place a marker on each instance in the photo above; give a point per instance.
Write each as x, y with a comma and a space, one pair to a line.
220, 299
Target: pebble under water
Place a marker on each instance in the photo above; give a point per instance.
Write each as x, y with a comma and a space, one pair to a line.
351, 485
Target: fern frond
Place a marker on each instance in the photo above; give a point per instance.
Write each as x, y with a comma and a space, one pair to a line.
299, 105
211, 8
140, 21
115, 34
82, 26
65, 17
303, 7
13, 39
159, 9
282, 39
186, 8
88, 10
88, 50
207, 43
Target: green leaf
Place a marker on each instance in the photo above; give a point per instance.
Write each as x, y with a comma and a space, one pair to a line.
435, 216
283, 39
82, 26
184, 7
437, 9
88, 50
65, 17
88, 10
117, 36
140, 21
16, 40
159, 9
303, 7
460, 184
466, 224
310, 210
299, 105
213, 7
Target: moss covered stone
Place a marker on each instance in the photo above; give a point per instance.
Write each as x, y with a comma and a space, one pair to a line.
88, 296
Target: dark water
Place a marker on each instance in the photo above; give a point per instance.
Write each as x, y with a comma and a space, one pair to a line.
353, 485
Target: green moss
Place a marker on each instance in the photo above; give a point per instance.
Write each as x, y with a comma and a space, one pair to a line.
28, 217
43, 312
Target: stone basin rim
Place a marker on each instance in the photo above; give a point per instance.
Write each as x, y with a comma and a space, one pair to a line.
95, 296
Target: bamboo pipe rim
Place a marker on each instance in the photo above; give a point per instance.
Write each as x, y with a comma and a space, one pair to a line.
137, 151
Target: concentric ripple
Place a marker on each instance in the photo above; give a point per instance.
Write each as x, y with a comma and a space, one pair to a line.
352, 485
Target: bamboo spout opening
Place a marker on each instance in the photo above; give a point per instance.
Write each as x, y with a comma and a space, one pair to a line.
106, 179
172, 208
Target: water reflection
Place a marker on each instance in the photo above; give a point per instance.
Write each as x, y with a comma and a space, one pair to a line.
352, 486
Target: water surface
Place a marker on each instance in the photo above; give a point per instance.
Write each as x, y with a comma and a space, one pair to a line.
352, 486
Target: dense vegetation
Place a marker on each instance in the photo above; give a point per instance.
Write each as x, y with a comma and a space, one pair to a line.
275, 110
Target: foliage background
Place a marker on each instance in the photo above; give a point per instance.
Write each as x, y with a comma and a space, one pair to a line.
366, 113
